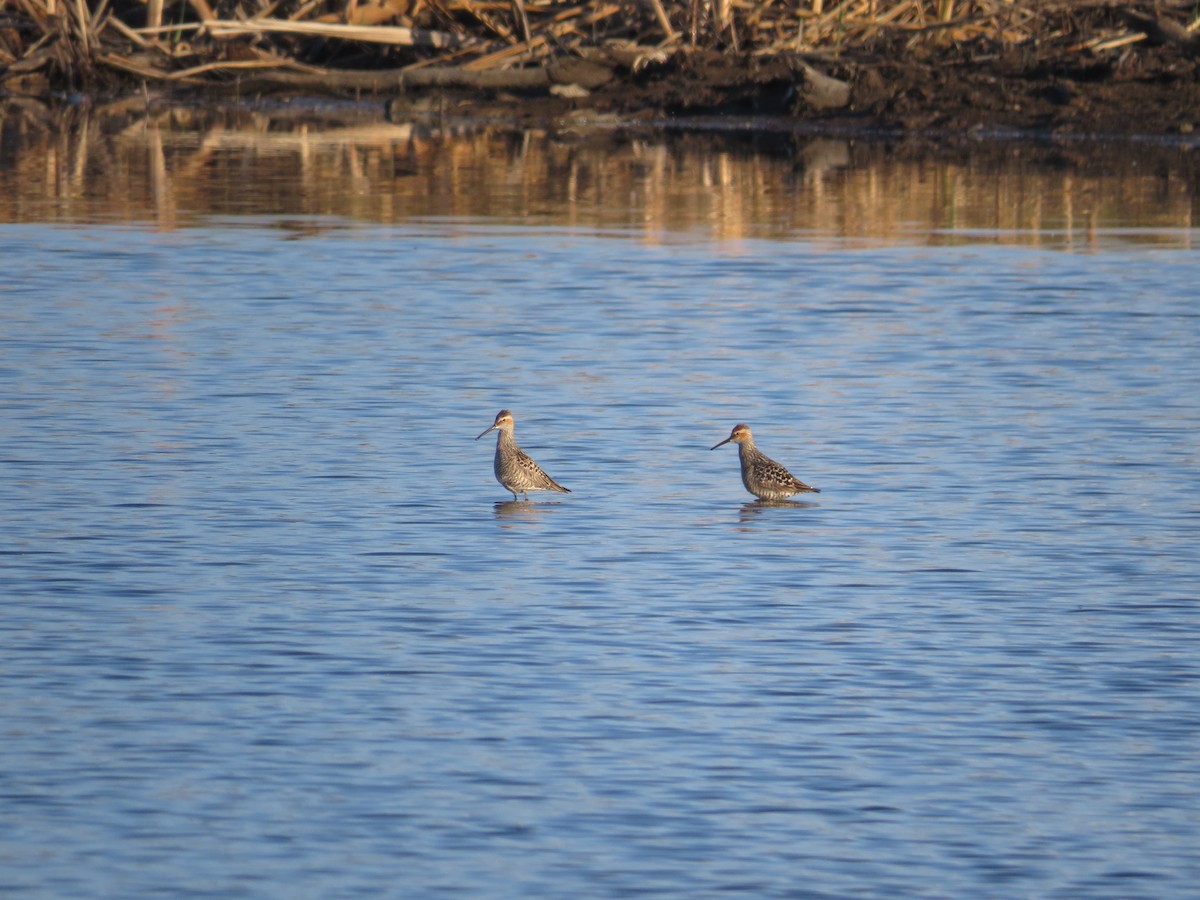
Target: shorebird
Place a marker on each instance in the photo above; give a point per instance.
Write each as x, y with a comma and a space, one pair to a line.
762, 476
514, 468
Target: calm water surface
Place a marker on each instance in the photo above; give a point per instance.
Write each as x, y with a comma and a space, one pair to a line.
271, 628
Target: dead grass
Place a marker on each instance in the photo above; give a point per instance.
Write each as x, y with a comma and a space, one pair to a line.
74, 42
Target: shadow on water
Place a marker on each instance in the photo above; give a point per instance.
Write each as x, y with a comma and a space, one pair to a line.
308, 167
523, 509
751, 510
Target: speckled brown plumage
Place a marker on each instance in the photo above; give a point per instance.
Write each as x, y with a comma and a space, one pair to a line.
514, 468
762, 476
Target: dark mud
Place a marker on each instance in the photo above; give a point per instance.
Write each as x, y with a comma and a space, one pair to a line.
1150, 91
1072, 82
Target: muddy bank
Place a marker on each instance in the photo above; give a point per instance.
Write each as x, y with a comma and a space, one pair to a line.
1059, 69
1151, 93
1104, 71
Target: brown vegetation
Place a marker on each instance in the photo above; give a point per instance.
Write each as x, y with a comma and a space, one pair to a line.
1090, 64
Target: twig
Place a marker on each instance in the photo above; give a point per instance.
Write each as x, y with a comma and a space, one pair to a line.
375, 34
663, 20
184, 74
133, 35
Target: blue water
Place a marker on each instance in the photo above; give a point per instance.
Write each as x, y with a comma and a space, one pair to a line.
270, 627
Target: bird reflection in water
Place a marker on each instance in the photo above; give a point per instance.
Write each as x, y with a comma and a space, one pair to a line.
752, 509
522, 510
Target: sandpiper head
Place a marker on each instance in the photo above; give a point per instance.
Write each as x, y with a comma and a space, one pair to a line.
504, 419
739, 435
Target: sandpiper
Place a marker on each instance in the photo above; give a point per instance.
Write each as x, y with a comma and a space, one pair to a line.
762, 476
514, 468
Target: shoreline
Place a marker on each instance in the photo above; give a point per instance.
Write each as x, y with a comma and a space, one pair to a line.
1095, 70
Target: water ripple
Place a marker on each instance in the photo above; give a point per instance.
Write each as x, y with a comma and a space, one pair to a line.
273, 628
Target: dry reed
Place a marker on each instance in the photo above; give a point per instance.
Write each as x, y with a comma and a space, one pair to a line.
70, 40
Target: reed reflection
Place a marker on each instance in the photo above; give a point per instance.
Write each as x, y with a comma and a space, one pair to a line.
177, 167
